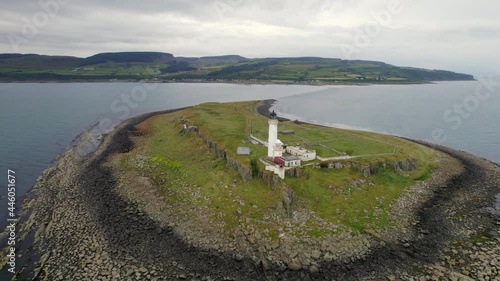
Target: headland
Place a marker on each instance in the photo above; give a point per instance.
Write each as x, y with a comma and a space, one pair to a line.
166, 196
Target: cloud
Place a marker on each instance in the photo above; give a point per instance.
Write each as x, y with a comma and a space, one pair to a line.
447, 34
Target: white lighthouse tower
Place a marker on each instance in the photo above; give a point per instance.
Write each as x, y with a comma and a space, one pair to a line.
273, 134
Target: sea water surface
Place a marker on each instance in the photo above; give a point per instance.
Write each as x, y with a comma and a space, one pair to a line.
40, 120
462, 115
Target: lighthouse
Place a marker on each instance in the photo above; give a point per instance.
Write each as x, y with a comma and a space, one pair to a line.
273, 134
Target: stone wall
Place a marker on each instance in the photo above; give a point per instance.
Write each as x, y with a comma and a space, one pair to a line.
294, 172
244, 171
369, 170
269, 178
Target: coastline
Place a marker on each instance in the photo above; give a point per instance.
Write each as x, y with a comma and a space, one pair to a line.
76, 202
239, 82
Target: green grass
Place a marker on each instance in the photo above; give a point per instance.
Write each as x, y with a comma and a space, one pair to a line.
325, 140
188, 173
181, 164
283, 70
327, 191
357, 146
322, 151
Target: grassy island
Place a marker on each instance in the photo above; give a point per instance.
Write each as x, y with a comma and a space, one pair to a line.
167, 196
199, 186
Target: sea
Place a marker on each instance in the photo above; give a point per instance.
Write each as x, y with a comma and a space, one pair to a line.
39, 121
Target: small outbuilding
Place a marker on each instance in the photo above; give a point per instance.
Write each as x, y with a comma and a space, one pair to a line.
243, 150
302, 153
287, 132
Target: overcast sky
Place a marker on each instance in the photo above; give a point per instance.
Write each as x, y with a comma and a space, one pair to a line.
456, 35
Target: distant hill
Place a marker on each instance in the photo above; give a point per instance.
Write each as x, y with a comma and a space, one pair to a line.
213, 60
10, 56
33, 61
134, 66
146, 57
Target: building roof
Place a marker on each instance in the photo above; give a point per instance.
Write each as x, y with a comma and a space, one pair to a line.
300, 149
289, 158
243, 150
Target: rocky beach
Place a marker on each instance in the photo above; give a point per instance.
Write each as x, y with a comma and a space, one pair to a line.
85, 228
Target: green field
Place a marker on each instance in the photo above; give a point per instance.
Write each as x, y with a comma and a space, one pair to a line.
190, 176
329, 142
163, 66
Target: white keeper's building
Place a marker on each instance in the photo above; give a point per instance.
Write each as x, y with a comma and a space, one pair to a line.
276, 149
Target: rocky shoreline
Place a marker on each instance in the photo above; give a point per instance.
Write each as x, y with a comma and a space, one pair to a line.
85, 230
